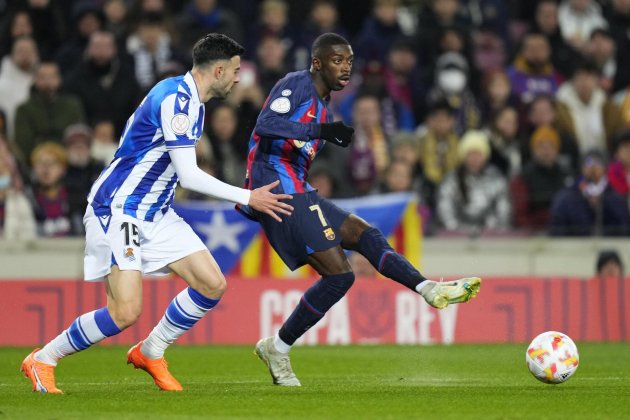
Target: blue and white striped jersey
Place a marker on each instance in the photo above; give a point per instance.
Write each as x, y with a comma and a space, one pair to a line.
141, 179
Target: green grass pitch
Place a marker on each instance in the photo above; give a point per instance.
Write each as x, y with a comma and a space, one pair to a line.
358, 382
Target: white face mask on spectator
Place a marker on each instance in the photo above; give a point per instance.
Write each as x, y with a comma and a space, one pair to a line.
5, 182
452, 81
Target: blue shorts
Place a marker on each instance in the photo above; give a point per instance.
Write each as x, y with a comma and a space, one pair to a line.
313, 227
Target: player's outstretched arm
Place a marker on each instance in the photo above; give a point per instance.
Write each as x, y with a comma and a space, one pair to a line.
192, 178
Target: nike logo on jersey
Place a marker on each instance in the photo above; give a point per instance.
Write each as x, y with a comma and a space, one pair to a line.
310, 114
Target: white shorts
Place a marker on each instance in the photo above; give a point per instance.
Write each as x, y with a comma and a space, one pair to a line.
135, 244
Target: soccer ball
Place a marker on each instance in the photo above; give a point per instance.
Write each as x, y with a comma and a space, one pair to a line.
552, 357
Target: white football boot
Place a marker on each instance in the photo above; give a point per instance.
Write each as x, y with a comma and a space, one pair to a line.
278, 363
441, 294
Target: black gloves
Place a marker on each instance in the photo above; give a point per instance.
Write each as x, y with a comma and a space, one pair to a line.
337, 133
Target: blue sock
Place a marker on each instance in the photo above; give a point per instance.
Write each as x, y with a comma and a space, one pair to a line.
373, 246
317, 300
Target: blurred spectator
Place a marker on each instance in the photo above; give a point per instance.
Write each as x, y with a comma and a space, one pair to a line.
619, 168
602, 51
271, 62
405, 147
487, 15
49, 164
104, 82
577, 19
323, 17
17, 72
545, 111
47, 113
505, 145
323, 180
81, 172
590, 206
116, 19
229, 149
378, 32
17, 222
532, 72
273, 22
88, 18
395, 115
475, 196
609, 264
368, 154
489, 52
12, 26
151, 48
47, 19
595, 117
438, 149
497, 94
104, 144
403, 79
398, 177
541, 179
564, 55
200, 17
436, 17
451, 85
618, 18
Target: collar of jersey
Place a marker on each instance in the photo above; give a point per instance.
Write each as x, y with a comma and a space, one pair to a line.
192, 86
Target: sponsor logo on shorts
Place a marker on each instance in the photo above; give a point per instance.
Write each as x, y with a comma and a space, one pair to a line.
129, 254
330, 234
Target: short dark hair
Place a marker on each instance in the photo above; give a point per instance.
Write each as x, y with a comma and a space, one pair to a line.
325, 41
213, 47
585, 65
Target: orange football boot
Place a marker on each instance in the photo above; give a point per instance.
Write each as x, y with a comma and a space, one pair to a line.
157, 368
41, 375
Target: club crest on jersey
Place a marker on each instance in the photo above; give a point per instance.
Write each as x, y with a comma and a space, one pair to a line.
129, 254
330, 234
281, 105
180, 123
286, 92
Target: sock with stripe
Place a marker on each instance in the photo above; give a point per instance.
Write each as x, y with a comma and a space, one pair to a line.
317, 300
373, 246
85, 331
188, 307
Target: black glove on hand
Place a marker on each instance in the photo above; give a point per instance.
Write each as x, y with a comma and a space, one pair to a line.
337, 133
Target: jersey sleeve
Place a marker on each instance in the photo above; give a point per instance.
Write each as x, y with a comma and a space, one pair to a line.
278, 117
175, 122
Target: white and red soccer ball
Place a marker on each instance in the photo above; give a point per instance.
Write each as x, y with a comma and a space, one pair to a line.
552, 357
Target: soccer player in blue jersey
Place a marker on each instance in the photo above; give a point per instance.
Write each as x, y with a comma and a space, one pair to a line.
292, 128
132, 230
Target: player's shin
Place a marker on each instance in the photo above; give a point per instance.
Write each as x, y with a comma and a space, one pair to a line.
87, 330
188, 307
317, 300
373, 246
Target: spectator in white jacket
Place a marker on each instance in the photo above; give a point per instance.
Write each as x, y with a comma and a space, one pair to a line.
577, 19
474, 197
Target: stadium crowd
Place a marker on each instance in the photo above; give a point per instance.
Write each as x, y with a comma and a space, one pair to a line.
505, 117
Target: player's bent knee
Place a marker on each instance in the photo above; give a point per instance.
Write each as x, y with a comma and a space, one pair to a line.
351, 231
125, 315
214, 287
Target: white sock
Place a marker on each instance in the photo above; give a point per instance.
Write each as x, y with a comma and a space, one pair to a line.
87, 330
425, 287
188, 307
280, 345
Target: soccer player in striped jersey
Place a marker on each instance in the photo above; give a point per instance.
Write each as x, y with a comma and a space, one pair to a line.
132, 230
292, 128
